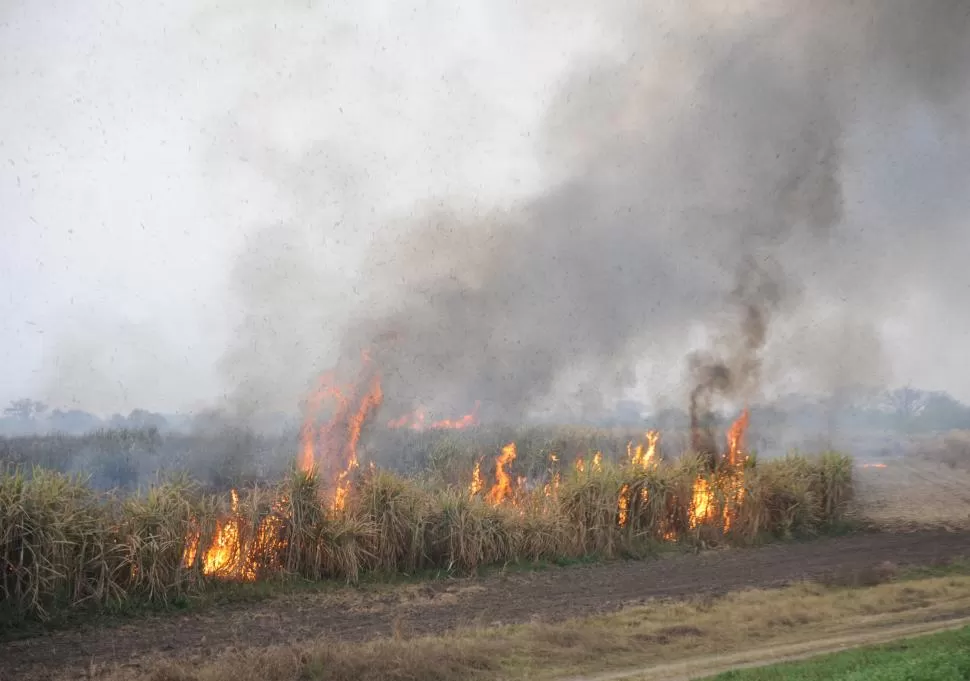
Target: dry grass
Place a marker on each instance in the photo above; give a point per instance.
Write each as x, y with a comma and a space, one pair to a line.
660, 632
951, 449
63, 545
913, 493
60, 542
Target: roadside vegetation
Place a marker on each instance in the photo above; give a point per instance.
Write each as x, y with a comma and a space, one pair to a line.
660, 640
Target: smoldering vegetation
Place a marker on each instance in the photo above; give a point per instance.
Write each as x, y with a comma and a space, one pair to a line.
220, 454
126, 459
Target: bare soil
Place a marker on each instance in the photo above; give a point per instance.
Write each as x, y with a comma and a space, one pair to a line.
437, 606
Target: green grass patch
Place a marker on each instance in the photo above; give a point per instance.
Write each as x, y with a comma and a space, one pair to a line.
936, 657
959, 566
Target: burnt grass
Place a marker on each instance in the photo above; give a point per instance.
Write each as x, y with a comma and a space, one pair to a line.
504, 597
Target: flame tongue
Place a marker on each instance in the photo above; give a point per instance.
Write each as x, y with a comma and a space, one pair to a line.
477, 481
643, 457
735, 439
332, 448
308, 433
623, 505
701, 507
417, 420
653, 438
502, 489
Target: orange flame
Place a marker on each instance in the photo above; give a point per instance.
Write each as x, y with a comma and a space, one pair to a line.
735, 439
598, 462
653, 439
224, 552
551, 488
735, 497
733, 480
417, 420
191, 548
307, 458
228, 555
580, 465
370, 401
642, 457
502, 489
702, 502
623, 505
332, 447
477, 481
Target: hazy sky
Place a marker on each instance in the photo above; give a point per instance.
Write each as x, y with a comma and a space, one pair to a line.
149, 152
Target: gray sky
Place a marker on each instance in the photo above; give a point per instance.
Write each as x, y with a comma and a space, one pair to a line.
155, 159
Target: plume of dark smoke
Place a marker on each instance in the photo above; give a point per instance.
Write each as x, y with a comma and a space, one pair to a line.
736, 371
700, 181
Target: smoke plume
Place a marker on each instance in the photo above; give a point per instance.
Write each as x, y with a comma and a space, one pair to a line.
700, 173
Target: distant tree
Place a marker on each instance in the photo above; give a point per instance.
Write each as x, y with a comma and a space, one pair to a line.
73, 421
25, 409
140, 418
944, 412
910, 409
906, 405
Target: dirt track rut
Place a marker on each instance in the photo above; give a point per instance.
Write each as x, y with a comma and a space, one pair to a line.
548, 595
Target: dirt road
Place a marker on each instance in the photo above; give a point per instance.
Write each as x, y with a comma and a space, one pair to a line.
548, 595
698, 667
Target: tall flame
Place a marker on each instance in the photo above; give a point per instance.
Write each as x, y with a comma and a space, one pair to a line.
653, 439
551, 488
735, 438
702, 502
224, 553
332, 447
477, 481
502, 489
735, 457
643, 456
307, 458
623, 505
